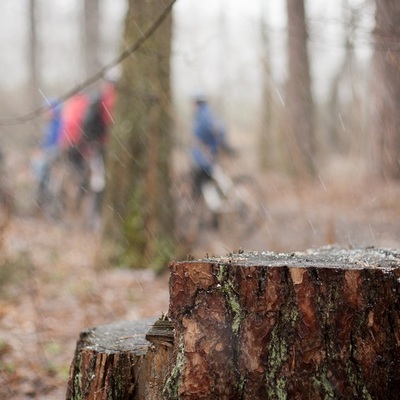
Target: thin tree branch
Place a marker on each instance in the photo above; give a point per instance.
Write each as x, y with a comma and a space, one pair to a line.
98, 75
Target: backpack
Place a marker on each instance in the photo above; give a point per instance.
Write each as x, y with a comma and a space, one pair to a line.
93, 125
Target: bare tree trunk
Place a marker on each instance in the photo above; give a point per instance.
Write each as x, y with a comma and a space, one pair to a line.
385, 100
267, 146
33, 52
299, 97
138, 213
344, 120
223, 61
91, 36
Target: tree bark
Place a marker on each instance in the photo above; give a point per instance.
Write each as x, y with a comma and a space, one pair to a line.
116, 362
344, 109
385, 80
33, 55
91, 36
138, 210
314, 325
299, 97
267, 146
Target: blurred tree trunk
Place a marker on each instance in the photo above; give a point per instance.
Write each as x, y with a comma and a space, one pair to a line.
344, 123
138, 209
338, 142
223, 61
91, 36
265, 131
385, 103
33, 51
299, 98
272, 138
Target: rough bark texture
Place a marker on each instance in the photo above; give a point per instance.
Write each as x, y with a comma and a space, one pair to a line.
34, 83
116, 362
299, 99
315, 325
91, 37
138, 210
322, 324
385, 79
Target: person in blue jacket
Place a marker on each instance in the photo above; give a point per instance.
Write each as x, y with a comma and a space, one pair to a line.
49, 147
209, 139
52, 128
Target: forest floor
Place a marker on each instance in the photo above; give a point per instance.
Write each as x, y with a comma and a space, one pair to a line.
51, 288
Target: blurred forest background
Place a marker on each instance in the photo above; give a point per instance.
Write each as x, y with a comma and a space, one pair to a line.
308, 90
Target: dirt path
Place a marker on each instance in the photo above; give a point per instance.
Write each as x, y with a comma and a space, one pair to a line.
299, 215
54, 291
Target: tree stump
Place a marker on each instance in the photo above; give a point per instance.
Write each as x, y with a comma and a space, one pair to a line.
117, 362
322, 324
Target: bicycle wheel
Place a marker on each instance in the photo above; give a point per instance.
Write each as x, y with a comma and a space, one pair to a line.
241, 214
64, 191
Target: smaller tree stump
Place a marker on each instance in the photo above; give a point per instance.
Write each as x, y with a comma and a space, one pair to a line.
116, 362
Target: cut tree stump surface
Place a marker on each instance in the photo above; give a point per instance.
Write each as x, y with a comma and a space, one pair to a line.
125, 336
325, 257
116, 362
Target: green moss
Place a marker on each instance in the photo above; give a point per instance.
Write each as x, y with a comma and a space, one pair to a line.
241, 385
134, 232
171, 387
138, 248
77, 394
231, 296
222, 273
321, 382
277, 354
277, 351
359, 385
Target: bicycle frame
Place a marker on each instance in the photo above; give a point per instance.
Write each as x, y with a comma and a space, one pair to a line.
215, 190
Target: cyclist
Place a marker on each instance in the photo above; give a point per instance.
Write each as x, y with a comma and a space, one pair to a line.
85, 121
209, 139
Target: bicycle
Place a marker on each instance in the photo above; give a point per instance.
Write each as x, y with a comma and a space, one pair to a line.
73, 187
230, 206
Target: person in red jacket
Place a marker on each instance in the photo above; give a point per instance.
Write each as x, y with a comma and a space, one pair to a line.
72, 117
